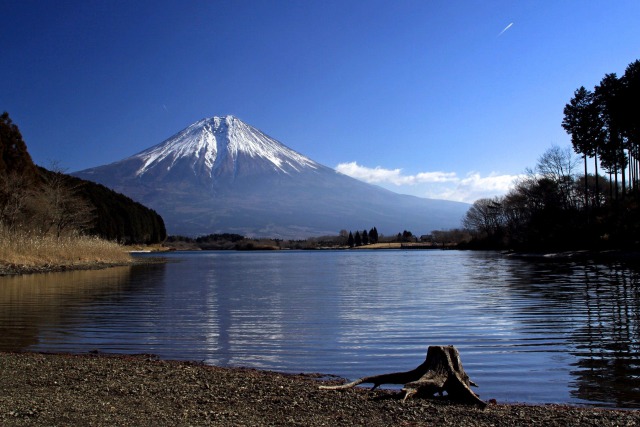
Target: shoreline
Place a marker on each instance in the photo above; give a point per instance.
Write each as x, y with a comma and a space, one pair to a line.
613, 255
107, 389
610, 255
14, 270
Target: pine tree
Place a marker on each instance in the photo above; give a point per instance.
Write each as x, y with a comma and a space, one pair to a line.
373, 236
630, 121
582, 121
607, 96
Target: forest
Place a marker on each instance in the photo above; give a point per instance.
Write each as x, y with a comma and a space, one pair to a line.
561, 204
39, 202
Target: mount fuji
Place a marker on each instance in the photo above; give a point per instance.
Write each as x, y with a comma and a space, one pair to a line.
221, 175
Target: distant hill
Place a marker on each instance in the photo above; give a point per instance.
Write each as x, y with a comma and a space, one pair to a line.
24, 188
221, 175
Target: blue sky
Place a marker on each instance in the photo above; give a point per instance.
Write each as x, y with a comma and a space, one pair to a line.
445, 99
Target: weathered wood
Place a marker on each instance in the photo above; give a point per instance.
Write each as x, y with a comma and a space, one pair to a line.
441, 372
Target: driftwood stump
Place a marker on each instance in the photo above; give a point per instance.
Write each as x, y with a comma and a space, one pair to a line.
441, 372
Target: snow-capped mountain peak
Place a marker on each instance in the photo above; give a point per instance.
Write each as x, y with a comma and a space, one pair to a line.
220, 175
215, 144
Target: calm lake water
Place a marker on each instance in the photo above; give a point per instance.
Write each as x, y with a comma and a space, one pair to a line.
527, 331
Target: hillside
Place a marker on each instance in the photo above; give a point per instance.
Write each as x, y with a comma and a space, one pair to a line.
34, 198
221, 175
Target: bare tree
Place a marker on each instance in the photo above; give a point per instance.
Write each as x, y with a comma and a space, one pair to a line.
15, 192
60, 209
454, 236
559, 166
485, 216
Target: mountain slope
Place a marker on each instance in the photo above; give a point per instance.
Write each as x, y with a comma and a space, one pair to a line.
222, 175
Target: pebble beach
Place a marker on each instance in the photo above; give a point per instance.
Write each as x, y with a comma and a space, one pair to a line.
115, 390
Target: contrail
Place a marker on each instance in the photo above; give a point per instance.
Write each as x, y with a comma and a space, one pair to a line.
505, 29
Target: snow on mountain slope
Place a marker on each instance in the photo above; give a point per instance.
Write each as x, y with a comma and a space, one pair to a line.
221, 175
212, 143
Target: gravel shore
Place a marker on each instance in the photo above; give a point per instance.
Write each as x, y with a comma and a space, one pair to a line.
98, 390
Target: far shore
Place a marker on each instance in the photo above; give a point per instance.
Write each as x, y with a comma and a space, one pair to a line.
577, 255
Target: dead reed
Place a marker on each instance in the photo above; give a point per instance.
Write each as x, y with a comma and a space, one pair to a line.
25, 249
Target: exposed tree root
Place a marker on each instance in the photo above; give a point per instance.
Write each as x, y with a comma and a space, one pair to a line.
441, 372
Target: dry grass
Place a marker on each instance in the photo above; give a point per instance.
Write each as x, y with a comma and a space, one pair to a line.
21, 249
155, 247
386, 245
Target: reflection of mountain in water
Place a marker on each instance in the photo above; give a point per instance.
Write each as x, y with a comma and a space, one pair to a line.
603, 302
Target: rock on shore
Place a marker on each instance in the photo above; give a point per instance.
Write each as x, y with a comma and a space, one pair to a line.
98, 390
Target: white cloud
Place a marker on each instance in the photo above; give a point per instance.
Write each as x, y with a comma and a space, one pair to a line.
474, 186
437, 185
393, 176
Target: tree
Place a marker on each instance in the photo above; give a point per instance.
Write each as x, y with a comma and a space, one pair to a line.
455, 236
544, 211
484, 216
583, 122
357, 239
60, 208
630, 118
558, 165
350, 240
607, 97
516, 215
373, 236
612, 161
15, 193
365, 237
407, 236
18, 175
13, 151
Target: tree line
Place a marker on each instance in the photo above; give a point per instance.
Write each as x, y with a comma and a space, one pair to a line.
364, 238
604, 124
344, 239
555, 206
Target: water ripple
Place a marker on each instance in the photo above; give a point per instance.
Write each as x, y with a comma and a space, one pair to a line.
572, 330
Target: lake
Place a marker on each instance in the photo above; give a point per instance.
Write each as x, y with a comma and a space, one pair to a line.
527, 331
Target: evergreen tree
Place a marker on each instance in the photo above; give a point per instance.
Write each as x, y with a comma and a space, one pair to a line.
630, 118
350, 240
607, 96
365, 237
582, 121
14, 157
373, 236
357, 239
